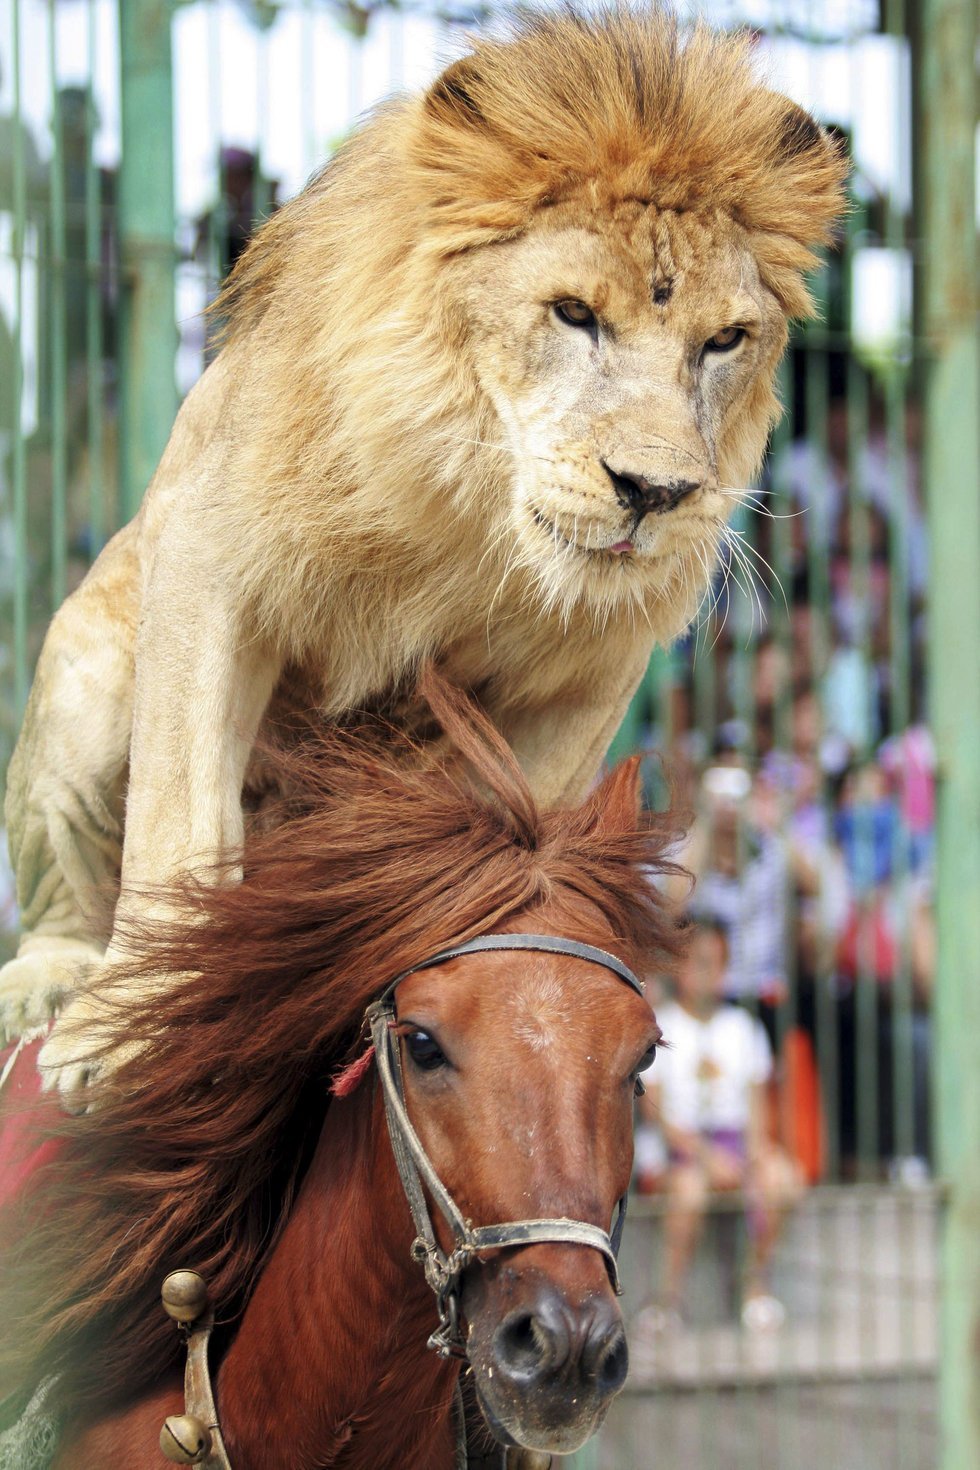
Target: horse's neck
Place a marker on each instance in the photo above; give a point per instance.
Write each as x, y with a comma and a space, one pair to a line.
330, 1364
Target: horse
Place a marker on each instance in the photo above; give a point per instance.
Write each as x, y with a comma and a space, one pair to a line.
413, 937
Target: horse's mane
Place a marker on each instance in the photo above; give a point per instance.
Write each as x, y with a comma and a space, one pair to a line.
194, 1152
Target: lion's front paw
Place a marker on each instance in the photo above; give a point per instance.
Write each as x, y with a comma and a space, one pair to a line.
35, 985
77, 1055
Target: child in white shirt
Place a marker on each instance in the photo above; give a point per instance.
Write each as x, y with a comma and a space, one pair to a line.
707, 1092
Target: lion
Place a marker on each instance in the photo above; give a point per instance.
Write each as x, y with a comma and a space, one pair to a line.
488, 390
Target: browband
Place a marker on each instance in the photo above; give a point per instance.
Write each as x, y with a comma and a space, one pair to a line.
545, 943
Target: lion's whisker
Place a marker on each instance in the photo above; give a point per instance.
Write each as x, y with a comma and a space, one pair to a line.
749, 500
753, 551
752, 580
746, 582
709, 599
728, 578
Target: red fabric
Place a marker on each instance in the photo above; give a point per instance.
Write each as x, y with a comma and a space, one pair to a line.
868, 942
803, 1103
24, 1114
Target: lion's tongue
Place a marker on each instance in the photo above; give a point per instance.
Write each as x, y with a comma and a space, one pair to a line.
622, 546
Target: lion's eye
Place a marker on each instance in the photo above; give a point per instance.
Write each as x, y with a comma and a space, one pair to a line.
425, 1052
724, 341
576, 313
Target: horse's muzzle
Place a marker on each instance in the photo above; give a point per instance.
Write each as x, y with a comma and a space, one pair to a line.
548, 1370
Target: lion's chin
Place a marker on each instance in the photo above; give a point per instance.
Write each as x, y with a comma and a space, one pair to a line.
661, 591
664, 579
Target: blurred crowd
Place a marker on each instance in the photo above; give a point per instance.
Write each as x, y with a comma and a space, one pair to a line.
799, 1023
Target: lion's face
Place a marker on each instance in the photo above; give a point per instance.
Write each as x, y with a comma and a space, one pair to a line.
630, 362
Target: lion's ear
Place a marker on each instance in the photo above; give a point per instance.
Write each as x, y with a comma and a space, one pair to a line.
451, 97
798, 187
809, 167
800, 133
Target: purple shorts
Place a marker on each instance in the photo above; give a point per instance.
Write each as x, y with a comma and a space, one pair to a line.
732, 1140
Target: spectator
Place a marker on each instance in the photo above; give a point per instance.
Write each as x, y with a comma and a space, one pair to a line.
707, 1091
247, 198
887, 940
740, 862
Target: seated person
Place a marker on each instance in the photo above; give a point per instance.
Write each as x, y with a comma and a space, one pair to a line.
707, 1091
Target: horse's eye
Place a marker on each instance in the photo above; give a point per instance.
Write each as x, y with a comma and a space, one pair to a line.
724, 341
425, 1053
576, 313
647, 1060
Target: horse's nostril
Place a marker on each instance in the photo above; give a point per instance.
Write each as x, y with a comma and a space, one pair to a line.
613, 1365
605, 1356
525, 1345
519, 1344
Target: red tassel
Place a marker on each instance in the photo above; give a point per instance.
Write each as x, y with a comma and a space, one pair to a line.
347, 1081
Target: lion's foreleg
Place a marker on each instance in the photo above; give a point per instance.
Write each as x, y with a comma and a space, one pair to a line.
65, 795
561, 745
198, 708
202, 685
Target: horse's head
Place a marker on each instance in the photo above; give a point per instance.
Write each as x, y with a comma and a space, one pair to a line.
519, 1076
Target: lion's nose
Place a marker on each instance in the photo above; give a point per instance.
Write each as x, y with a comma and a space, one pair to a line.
640, 495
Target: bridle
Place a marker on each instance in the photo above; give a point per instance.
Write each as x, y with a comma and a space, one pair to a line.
196, 1433
444, 1272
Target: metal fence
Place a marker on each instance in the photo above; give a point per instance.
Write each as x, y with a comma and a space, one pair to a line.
139, 145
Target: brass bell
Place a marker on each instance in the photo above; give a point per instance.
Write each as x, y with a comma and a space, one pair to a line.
184, 1440
185, 1298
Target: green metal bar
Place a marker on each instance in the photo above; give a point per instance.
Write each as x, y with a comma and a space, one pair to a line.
146, 227
629, 736
665, 705
900, 716
865, 1058
777, 518
818, 541
93, 315
904, 1079
261, 196
946, 104
307, 90
21, 561
217, 262
58, 263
